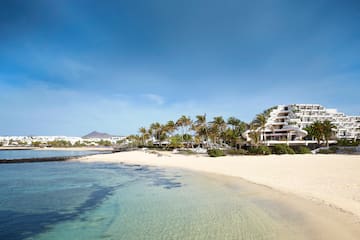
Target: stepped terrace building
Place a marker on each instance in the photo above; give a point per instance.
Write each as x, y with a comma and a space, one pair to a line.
286, 123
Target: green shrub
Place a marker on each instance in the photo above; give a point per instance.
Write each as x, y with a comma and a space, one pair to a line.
301, 150
282, 149
324, 151
331, 150
216, 153
236, 152
78, 144
105, 143
35, 144
348, 150
260, 150
59, 143
176, 142
187, 152
346, 142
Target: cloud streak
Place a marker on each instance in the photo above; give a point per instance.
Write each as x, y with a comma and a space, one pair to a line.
154, 98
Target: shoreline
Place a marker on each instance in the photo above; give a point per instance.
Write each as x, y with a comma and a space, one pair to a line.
58, 148
35, 160
90, 151
331, 180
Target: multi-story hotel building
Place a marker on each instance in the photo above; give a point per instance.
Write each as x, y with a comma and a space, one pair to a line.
287, 122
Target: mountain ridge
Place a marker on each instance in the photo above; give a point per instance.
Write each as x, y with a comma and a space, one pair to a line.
96, 134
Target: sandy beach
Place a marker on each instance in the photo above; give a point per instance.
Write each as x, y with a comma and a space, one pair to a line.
333, 180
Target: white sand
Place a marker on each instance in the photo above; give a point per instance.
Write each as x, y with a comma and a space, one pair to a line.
330, 179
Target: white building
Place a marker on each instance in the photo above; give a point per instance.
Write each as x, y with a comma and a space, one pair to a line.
287, 123
28, 140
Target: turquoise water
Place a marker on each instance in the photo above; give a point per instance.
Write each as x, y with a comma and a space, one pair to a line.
71, 200
21, 154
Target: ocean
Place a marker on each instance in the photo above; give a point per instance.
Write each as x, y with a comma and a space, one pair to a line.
24, 154
75, 200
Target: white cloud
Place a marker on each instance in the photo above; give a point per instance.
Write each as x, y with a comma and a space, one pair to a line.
155, 98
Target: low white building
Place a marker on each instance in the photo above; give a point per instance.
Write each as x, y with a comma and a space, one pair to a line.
28, 140
287, 123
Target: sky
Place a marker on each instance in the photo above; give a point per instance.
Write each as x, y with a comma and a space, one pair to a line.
71, 67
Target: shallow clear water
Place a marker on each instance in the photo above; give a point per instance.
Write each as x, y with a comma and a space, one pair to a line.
70, 200
21, 154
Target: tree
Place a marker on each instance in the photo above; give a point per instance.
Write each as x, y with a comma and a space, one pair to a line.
254, 134
234, 122
35, 144
155, 130
327, 130
200, 127
176, 141
184, 124
163, 132
143, 133
105, 143
217, 128
315, 130
170, 127
78, 144
261, 121
134, 140
230, 137
238, 127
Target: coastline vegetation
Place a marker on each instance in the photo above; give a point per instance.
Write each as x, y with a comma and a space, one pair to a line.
68, 144
219, 137
282, 149
348, 143
321, 131
188, 133
216, 153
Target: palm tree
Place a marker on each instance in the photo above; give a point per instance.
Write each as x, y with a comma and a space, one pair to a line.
143, 132
184, 123
233, 134
254, 134
134, 140
315, 130
261, 121
200, 127
163, 132
156, 127
218, 127
327, 130
234, 122
170, 127
150, 132
212, 133
318, 131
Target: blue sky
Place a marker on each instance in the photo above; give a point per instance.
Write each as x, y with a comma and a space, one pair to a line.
70, 67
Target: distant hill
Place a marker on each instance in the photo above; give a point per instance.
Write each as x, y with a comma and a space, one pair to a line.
96, 134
